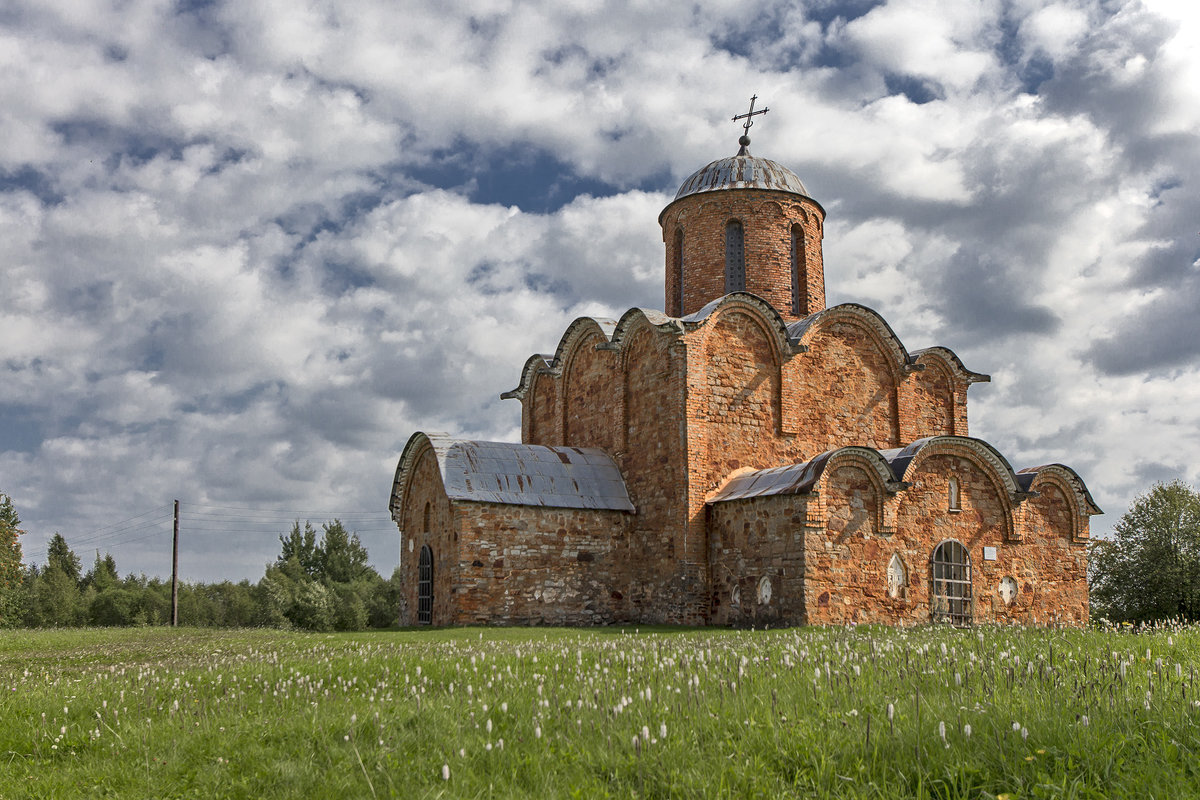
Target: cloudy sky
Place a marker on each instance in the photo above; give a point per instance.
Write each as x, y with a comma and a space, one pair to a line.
248, 247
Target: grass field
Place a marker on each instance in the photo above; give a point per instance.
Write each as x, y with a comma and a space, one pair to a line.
549, 713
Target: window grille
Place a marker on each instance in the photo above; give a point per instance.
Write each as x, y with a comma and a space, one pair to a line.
425, 587
735, 258
950, 600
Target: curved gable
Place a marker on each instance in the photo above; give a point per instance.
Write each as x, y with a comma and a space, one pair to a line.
902, 458
951, 361
1068, 478
803, 331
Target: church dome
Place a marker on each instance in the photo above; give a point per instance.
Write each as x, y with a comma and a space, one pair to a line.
742, 172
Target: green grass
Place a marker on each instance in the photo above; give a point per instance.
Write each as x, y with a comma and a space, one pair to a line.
549, 713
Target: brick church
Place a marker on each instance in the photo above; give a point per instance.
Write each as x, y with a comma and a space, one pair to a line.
750, 456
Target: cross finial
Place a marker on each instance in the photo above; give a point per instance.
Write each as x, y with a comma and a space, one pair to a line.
744, 140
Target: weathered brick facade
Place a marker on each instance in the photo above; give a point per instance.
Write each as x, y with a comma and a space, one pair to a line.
779, 461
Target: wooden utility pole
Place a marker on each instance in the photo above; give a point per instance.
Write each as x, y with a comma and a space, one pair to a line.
175, 571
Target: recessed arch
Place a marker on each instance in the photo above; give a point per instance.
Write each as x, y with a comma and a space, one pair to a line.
425, 586
735, 256
799, 271
950, 591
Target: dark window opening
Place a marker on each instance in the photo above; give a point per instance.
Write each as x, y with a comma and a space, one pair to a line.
679, 268
425, 587
950, 600
735, 257
799, 272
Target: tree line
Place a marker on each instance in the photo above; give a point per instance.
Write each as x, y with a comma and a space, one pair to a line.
319, 582
1148, 571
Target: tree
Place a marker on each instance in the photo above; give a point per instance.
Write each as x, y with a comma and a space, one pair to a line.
59, 555
341, 556
10, 562
301, 547
103, 574
1150, 569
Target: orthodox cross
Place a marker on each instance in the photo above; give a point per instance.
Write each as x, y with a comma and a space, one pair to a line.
744, 140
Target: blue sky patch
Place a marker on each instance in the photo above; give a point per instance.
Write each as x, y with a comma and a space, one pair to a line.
521, 175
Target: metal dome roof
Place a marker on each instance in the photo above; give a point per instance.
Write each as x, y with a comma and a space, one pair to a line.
742, 172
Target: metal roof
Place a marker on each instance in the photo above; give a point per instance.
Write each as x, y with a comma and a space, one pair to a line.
791, 479
742, 172
530, 475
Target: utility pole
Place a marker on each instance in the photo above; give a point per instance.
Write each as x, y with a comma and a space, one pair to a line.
175, 571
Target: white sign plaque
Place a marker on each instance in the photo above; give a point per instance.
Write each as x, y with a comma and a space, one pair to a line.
989, 554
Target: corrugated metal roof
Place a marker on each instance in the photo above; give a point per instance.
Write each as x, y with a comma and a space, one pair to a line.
792, 479
742, 172
531, 475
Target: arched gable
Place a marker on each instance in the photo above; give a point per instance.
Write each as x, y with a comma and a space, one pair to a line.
534, 365
906, 461
830, 483
580, 329
950, 361
592, 388
737, 384
845, 389
928, 400
538, 363
417, 446
1050, 479
765, 314
635, 319
804, 331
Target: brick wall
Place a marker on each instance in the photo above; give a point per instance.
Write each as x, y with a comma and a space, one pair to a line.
542, 566
425, 487
752, 541
767, 218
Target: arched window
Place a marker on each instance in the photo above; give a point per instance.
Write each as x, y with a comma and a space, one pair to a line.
425, 587
897, 578
425, 528
799, 272
950, 598
735, 257
679, 266
955, 503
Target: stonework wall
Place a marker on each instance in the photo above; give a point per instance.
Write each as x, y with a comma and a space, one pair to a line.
593, 391
532, 565
757, 560
542, 411
441, 535
653, 463
767, 218
847, 575
927, 403
848, 390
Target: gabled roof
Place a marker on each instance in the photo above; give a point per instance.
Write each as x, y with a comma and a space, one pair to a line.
517, 474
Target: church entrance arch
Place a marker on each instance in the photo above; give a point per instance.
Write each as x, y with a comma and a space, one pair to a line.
950, 597
425, 587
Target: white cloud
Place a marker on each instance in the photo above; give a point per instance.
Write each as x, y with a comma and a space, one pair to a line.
233, 277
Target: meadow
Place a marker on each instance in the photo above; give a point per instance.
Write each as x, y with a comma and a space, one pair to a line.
808, 712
